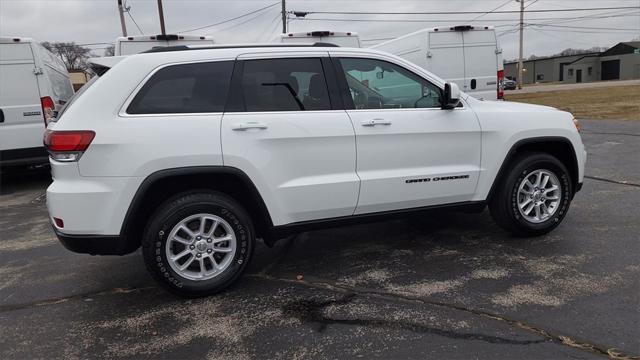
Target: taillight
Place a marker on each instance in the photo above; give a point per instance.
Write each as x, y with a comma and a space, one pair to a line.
67, 146
500, 84
48, 109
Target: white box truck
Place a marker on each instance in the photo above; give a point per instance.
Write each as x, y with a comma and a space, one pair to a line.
470, 56
34, 85
128, 45
342, 39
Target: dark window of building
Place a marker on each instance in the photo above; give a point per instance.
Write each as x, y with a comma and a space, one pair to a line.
589, 70
540, 77
570, 72
284, 85
189, 88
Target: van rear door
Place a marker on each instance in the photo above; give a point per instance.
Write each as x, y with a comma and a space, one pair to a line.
480, 59
23, 124
445, 56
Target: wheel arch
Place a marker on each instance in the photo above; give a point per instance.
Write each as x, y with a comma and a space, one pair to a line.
161, 185
558, 146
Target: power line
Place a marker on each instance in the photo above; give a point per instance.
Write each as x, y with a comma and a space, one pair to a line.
134, 21
465, 12
568, 19
490, 11
241, 23
534, 1
97, 43
561, 38
582, 27
232, 19
270, 26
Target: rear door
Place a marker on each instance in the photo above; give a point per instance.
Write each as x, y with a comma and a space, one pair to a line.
22, 124
291, 137
445, 56
480, 62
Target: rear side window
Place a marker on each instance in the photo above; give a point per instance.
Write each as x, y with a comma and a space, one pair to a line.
189, 88
285, 85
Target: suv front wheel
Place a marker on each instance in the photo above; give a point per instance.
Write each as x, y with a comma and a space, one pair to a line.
197, 244
534, 196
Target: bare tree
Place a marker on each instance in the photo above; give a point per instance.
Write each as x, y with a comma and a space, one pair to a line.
74, 56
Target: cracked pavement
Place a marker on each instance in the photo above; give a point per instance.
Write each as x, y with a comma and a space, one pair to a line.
441, 286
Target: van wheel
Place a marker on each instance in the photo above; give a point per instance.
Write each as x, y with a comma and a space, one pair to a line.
198, 244
533, 197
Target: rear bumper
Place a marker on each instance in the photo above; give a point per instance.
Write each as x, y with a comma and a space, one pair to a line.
95, 244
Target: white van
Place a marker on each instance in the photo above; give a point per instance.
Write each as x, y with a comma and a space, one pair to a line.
34, 85
136, 44
470, 56
342, 39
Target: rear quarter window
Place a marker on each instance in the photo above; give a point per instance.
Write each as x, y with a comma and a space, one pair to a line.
188, 88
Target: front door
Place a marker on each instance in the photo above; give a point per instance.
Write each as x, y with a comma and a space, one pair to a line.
411, 153
579, 76
291, 137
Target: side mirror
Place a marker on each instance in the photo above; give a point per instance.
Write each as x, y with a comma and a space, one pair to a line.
451, 96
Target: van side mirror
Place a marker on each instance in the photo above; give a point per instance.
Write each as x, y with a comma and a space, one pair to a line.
451, 96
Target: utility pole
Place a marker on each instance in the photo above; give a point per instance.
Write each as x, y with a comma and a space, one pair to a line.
284, 17
520, 70
161, 13
121, 11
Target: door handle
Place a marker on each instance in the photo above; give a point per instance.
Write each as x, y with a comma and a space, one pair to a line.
1, 116
375, 122
249, 125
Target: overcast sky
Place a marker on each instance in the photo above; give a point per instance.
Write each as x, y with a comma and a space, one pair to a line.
97, 21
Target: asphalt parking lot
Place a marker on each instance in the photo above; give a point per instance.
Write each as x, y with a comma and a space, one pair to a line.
448, 286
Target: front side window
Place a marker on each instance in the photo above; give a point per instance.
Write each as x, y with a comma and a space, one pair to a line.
188, 88
377, 84
285, 85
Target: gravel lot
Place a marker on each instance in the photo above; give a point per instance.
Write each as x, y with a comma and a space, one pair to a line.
446, 286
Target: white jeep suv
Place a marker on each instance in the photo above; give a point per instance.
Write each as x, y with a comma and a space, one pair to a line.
193, 153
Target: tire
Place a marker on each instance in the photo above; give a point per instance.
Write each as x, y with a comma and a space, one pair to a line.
506, 202
230, 244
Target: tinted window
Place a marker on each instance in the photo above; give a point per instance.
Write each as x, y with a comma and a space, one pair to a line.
284, 85
376, 84
190, 88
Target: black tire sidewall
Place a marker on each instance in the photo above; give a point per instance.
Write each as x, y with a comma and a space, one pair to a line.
530, 164
175, 211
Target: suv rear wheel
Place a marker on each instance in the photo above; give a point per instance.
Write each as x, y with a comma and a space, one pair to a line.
534, 196
198, 244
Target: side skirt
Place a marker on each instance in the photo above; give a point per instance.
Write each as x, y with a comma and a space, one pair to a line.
281, 231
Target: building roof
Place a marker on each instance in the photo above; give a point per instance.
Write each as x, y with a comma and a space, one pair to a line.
622, 48
554, 57
583, 57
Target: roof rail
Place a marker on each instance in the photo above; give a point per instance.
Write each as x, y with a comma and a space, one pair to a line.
157, 49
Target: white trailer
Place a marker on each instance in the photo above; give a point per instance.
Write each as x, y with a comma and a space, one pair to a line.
342, 39
470, 56
34, 85
136, 44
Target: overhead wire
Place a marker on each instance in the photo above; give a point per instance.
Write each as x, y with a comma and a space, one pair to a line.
231, 19
466, 12
490, 11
